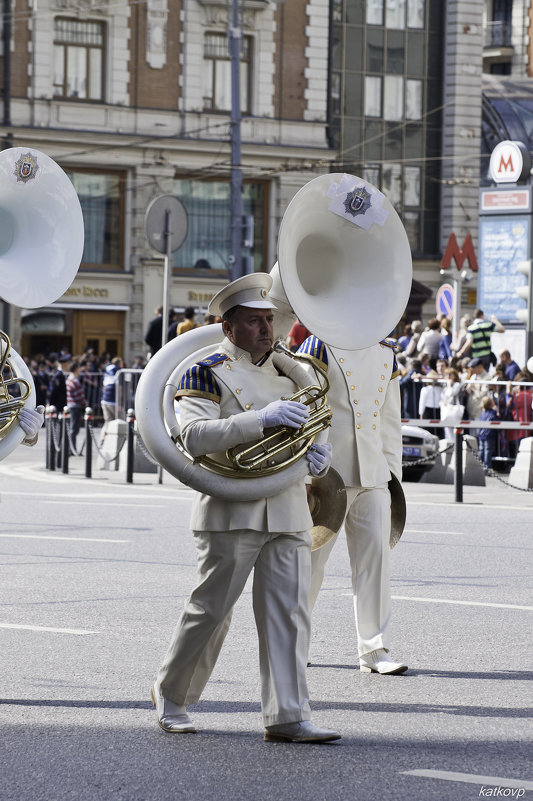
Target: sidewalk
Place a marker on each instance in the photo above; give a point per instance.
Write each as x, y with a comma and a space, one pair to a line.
30, 462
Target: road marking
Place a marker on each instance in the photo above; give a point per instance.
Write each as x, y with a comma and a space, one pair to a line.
449, 601
474, 505
89, 495
104, 503
459, 603
69, 539
45, 628
470, 778
431, 531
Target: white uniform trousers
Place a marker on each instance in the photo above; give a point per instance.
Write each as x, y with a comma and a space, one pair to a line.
282, 568
367, 526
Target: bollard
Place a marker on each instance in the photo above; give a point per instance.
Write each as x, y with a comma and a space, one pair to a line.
130, 419
52, 416
65, 449
48, 435
458, 465
88, 417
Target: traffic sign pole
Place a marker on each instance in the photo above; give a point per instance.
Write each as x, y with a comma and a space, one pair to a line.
456, 310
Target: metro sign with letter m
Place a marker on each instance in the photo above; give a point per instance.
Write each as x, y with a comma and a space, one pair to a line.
509, 162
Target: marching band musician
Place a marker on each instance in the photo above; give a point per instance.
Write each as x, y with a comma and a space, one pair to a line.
367, 445
29, 420
225, 400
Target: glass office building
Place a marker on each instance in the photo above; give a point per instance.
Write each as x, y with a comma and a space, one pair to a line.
385, 102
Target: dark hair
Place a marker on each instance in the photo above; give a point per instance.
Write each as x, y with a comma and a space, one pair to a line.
229, 315
189, 312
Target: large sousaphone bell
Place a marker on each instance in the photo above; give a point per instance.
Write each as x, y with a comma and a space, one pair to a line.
344, 261
41, 245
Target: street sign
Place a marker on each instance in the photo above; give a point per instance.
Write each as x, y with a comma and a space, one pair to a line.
444, 301
166, 218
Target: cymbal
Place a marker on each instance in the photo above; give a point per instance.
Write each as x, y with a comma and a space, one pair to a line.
327, 504
398, 511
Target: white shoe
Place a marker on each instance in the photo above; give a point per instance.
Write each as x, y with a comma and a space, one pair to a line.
380, 662
170, 716
302, 731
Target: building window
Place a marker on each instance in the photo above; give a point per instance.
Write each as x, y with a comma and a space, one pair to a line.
415, 13
411, 186
372, 96
208, 242
79, 50
374, 12
216, 76
392, 183
393, 98
395, 14
101, 201
413, 100
372, 175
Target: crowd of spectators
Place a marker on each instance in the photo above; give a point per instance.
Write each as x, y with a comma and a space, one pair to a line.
89, 379
439, 376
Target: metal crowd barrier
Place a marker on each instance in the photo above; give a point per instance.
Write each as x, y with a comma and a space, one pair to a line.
59, 445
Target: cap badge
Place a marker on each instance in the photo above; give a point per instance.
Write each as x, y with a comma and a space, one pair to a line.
263, 293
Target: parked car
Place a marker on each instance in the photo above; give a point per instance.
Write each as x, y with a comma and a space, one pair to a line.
418, 443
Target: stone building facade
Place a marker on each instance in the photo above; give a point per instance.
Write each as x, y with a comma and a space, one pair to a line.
133, 101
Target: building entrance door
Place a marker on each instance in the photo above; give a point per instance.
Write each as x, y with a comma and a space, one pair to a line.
103, 331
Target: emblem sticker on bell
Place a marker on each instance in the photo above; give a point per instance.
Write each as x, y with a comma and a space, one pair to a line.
357, 202
26, 167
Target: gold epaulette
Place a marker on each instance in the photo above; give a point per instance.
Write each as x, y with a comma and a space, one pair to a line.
199, 382
316, 349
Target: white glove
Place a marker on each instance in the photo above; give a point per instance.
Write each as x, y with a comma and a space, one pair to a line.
319, 458
283, 413
31, 421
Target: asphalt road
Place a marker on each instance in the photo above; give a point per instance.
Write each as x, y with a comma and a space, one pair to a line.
95, 573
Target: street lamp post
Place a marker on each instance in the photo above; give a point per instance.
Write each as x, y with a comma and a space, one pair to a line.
234, 45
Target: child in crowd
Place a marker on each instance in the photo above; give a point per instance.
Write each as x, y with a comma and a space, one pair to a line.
487, 436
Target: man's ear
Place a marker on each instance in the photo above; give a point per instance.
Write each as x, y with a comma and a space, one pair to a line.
227, 329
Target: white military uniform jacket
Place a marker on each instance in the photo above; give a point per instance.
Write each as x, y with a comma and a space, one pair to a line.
366, 431
218, 400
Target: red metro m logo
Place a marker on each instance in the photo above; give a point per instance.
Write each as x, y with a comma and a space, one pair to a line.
453, 251
509, 162
505, 166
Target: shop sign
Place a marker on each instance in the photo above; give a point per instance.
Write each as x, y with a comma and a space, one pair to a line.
200, 297
86, 292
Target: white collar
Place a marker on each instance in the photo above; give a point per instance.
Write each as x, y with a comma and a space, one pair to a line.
237, 353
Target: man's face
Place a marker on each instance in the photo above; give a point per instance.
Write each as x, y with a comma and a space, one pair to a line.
251, 330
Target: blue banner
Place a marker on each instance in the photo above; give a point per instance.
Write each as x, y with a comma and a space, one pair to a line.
503, 243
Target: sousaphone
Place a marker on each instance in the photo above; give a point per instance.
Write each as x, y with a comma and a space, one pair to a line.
41, 245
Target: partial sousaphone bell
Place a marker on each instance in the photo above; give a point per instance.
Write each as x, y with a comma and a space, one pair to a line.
41, 228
